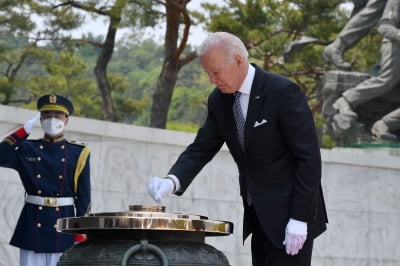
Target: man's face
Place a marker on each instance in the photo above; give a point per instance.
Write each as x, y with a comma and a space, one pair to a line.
227, 75
54, 114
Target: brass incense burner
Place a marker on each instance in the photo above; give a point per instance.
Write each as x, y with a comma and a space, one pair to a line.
144, 235
140, 218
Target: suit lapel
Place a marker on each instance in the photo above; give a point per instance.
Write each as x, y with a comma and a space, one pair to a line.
255, 102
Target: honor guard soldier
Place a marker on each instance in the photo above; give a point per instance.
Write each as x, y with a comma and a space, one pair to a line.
55, 173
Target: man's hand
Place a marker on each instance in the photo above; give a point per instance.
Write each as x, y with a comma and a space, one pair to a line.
295, 236
29, 125
160, 187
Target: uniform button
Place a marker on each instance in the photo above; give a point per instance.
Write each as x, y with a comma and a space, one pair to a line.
55, 226
62, 146
39, 176
60, 177
57, 194
39, 225
40, 208
39, 158
57, 209
39, 191
41, 147
63, 160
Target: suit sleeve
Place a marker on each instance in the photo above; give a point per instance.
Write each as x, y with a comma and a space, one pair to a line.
8, 145
299, 130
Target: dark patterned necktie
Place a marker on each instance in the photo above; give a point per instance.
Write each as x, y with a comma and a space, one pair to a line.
239, 118
240, 122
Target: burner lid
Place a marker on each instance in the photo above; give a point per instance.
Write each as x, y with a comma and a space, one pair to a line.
144, 218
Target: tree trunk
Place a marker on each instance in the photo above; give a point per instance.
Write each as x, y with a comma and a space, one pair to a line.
175, 11
163, 95
100, 71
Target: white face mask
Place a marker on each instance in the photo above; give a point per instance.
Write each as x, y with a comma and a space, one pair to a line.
52, 126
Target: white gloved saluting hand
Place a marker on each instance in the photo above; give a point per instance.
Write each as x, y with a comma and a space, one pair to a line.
295, 236
31, 123
160, 187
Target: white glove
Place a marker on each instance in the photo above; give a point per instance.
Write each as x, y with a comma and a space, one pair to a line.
29, 125
295, 236
160, 187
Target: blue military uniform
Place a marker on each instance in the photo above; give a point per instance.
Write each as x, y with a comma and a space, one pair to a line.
50, 169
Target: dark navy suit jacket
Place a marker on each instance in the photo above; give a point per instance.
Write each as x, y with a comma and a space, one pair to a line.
280, 163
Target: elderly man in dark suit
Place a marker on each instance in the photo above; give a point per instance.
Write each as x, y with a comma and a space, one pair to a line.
268, 127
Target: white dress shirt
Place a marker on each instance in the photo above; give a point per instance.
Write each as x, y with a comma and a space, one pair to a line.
245, 89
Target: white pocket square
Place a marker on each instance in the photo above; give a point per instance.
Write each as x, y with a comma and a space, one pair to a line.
256, 124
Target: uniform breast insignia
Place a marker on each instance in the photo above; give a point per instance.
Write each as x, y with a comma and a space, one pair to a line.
79, 143
30, 159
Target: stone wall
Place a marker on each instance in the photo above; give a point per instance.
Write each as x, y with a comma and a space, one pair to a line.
361, 190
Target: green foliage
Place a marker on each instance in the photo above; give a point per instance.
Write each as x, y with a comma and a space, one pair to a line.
187, 105
189, 101
16, 56
326, 142
64, 75
267, 26
13, 17
142, 13
140, 63
187, 127
127, 107
36, 61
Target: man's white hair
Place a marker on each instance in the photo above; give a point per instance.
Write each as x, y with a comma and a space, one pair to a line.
225, 41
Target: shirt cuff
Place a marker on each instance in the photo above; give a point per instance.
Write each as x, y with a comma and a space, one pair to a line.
21, 133
176, 181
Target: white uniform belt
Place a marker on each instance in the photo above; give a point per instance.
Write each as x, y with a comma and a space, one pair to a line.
49, 201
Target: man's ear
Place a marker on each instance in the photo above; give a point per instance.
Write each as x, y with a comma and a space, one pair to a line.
238, 59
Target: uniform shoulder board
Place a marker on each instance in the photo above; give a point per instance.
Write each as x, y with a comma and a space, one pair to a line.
80, 143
